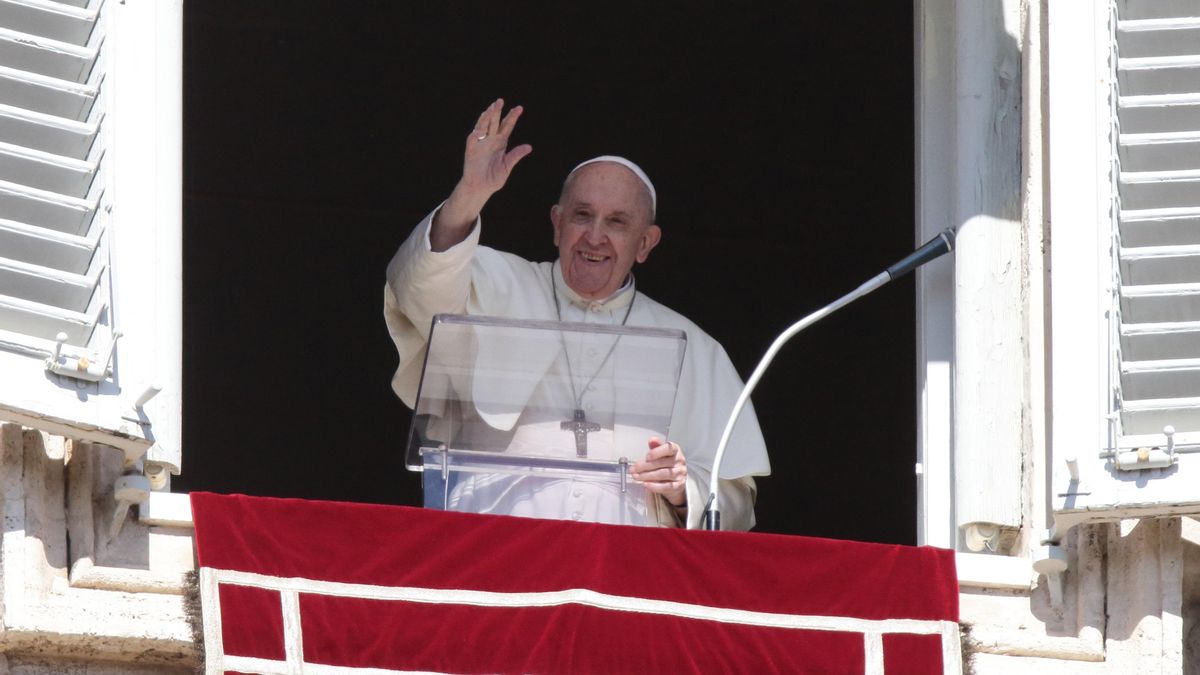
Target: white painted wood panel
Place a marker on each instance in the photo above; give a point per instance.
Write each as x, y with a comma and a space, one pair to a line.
1157, 53
90, 219
1147, 234
991, 390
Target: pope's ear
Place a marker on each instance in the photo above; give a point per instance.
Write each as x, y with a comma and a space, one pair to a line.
555, 215
650, 239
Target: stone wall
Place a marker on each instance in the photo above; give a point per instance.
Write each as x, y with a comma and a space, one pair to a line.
1129, 606
75, 599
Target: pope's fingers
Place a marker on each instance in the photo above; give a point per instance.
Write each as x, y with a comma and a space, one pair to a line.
510, 120
517, 154
662, 450
663, 474
493, 118
652, 465
481, 124
664, 486
660, 470
664, 489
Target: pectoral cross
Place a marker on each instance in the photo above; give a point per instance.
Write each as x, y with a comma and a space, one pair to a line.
581, 427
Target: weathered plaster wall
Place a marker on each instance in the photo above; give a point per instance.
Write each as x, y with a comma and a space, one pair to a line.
74, 599
1130, 605
1190, 533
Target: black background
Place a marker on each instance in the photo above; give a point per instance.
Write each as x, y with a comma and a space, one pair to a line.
316, 134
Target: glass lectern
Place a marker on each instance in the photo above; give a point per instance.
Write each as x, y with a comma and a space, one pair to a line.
542, 418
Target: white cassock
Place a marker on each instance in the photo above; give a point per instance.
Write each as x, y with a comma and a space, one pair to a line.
473, 279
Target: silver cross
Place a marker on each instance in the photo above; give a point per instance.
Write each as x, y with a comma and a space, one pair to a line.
581, 428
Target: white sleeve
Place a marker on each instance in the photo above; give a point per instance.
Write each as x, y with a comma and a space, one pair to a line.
421, 283
737, 502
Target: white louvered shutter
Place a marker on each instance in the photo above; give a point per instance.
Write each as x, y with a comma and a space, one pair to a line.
1124, 142
53, 256
90, 219
1158, 221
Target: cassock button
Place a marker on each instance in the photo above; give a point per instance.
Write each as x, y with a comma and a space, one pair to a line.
576, 516
578, 492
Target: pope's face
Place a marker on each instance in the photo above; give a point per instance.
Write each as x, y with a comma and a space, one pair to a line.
602, 226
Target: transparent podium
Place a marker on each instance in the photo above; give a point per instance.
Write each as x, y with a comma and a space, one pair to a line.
542, 418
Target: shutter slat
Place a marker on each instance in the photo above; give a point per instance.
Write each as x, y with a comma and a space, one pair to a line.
1162, 37
1160, 189
1160, 341
1155, 227
55, 135
53, 211
1159, 114
1157, 9
49, 286
48, 95
1160, 303
47, 248
53, 20
1163, 152
49, 58
46, 171
1149, 416
1173, 378
46, 321
1183, 305
1160, 265
1159, 75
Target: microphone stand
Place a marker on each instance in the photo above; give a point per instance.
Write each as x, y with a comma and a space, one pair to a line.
934, 248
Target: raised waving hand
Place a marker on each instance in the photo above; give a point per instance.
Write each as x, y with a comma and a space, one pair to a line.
487, 164
487, 161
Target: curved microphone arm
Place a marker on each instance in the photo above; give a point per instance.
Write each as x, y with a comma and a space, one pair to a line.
934, 248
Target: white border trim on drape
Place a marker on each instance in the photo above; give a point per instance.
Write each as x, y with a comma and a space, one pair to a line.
291, 587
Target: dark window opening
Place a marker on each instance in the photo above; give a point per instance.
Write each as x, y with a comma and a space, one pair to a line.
781, 144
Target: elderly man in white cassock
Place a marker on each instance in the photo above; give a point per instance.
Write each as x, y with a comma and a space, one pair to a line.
604, 223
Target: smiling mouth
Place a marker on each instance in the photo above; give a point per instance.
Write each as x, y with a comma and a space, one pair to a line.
592, 257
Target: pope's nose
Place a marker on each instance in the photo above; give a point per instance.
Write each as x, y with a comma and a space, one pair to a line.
594, 234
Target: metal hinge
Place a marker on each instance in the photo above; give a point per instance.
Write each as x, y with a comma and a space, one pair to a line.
81, 367
1140, 459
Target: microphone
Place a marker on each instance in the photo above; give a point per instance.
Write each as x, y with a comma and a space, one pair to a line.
930, 250
940, 245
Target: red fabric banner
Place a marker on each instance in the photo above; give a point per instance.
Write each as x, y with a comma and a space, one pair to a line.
396, 589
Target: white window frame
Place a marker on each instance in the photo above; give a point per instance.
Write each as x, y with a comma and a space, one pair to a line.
143, 202
945, 191
1080, 199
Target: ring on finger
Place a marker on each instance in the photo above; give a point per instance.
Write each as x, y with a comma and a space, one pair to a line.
481, 137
